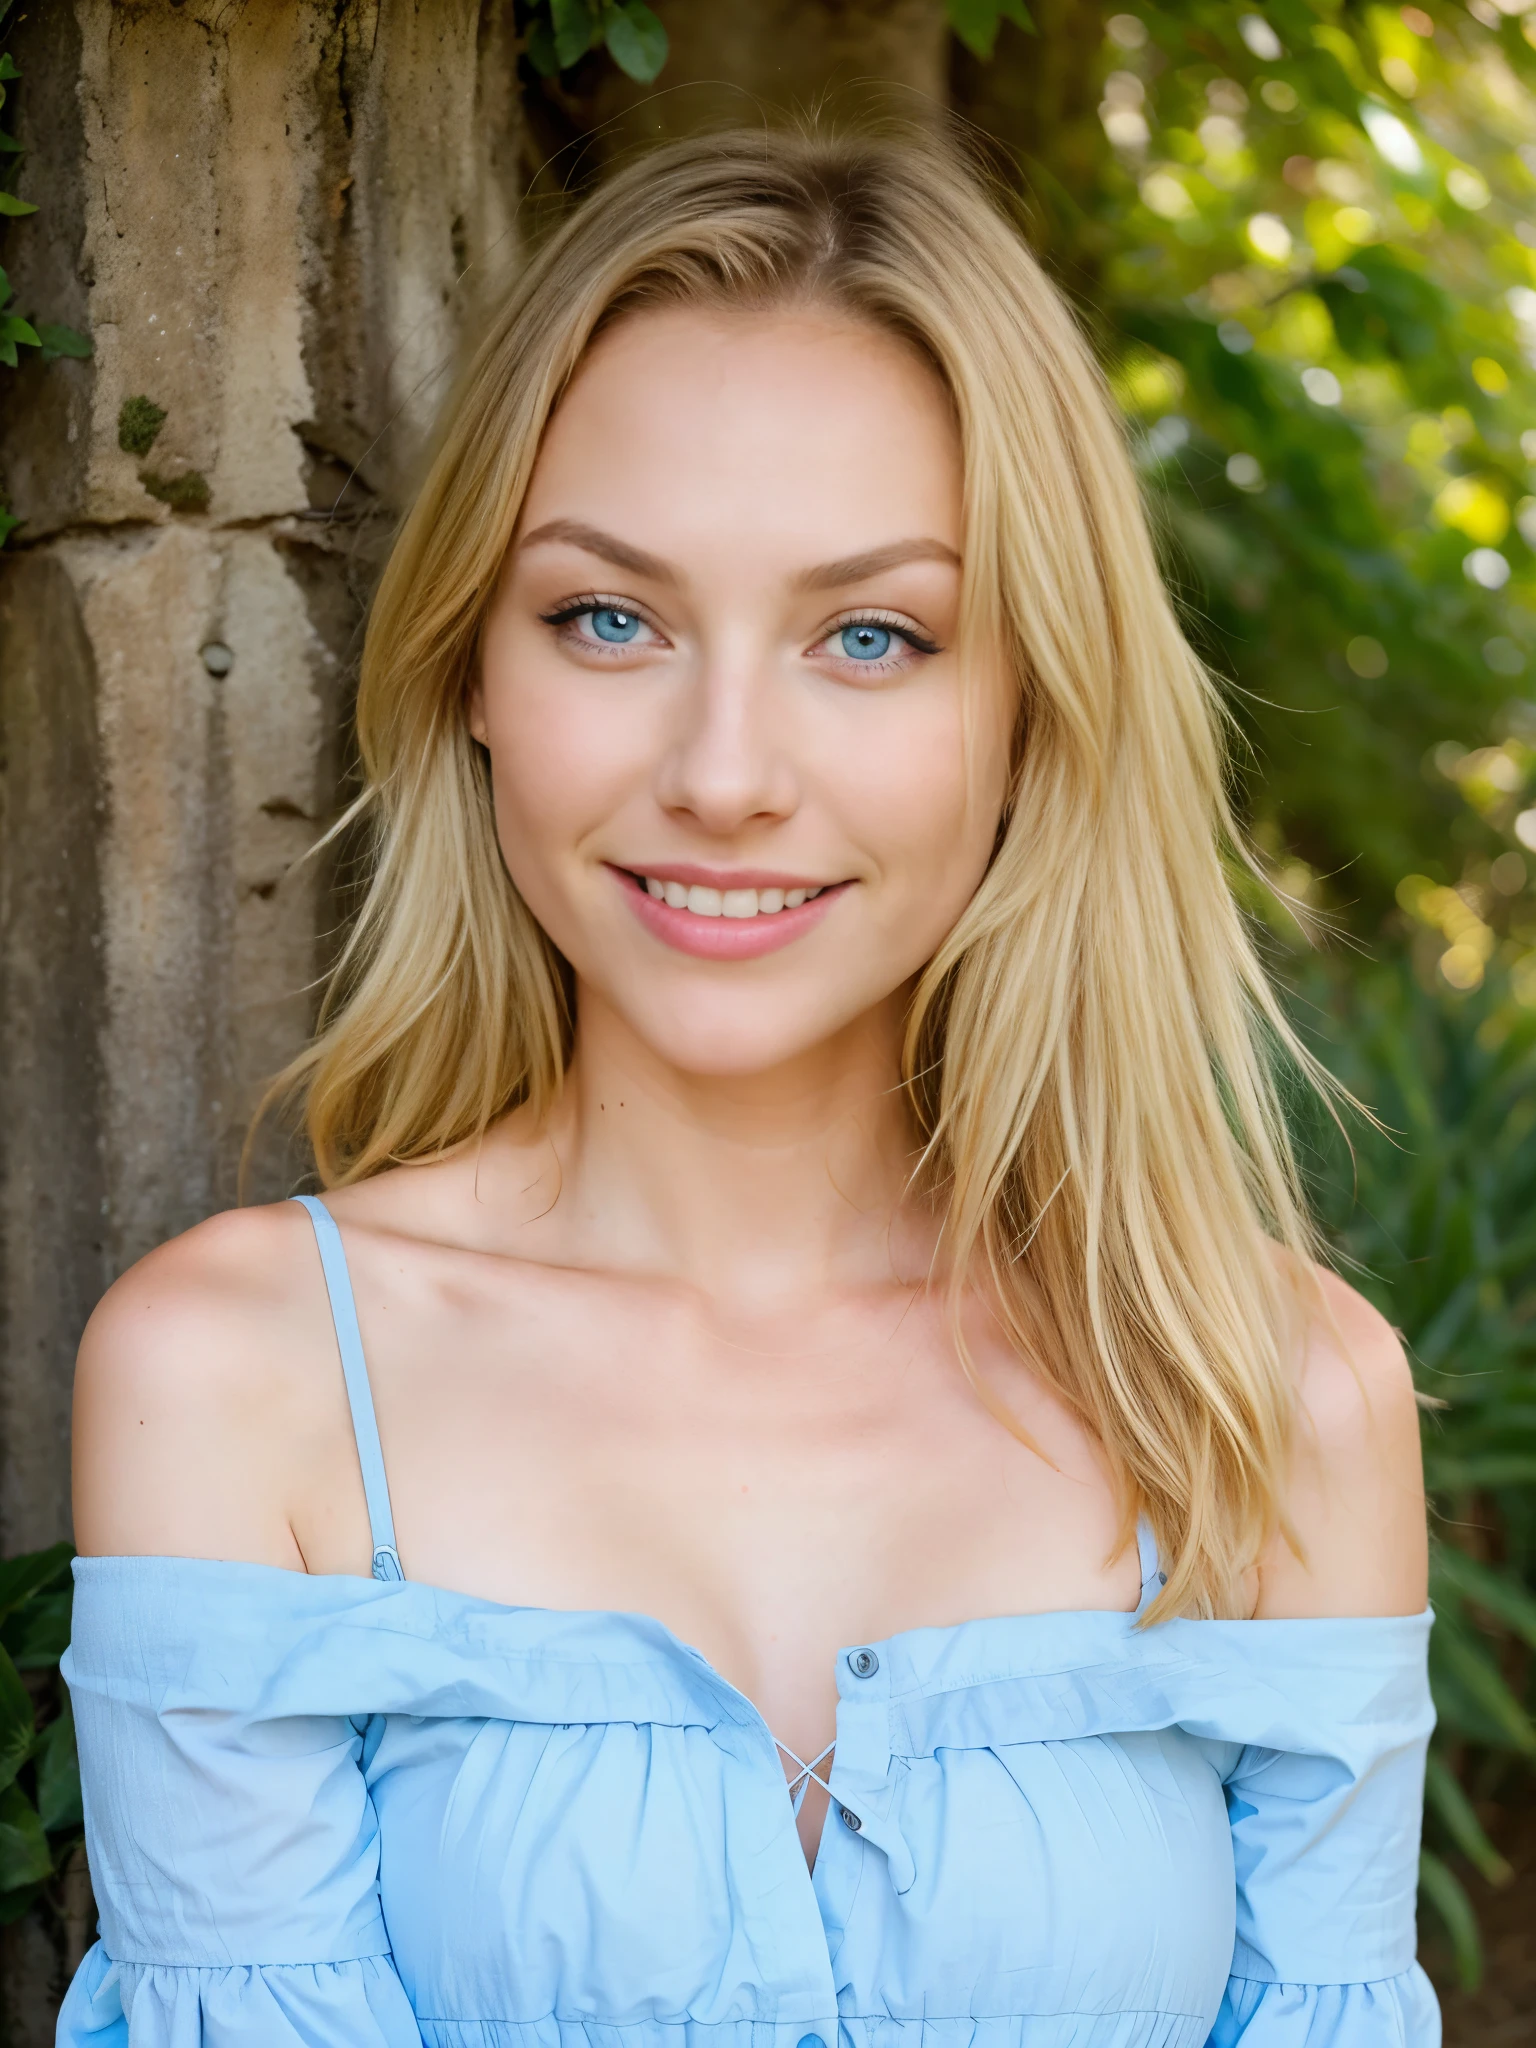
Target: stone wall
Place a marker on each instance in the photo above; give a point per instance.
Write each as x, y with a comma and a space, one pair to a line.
279, 221
276, 222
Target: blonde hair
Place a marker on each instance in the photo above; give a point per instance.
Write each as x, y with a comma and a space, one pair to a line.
1089, 1056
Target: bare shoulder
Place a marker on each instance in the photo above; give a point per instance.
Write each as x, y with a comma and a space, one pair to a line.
1354, 1379
1355, 1494
206, 1371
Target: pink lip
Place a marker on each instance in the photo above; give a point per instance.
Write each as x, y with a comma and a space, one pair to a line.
724, 938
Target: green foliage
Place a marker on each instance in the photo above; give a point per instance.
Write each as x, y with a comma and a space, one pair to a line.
139, 420
1304, 238
49, 337
977, 22
13, 328
636, 41
1435, 1216
1304, 232
1439, 1886
40, 1816
558, 34
58, 340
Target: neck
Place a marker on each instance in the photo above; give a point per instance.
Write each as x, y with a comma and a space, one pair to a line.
753, 1187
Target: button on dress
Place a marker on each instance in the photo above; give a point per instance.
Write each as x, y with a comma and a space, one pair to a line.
334, 1812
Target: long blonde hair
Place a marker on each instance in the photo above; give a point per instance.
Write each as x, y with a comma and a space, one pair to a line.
1089, 1054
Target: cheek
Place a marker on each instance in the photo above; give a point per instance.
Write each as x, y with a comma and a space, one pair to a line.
924, 788
561, 763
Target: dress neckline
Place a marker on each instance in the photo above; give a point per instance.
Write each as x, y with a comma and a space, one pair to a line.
1037, 1618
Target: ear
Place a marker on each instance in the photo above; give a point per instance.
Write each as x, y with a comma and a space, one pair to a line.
474, 712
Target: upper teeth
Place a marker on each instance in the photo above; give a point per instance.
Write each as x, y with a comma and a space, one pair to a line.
727, 902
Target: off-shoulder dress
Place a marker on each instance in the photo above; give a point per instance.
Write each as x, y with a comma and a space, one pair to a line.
353, 1813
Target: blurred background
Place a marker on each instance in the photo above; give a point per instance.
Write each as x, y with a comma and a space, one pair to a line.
246, 243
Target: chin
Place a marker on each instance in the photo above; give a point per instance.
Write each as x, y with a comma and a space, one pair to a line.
735, 1038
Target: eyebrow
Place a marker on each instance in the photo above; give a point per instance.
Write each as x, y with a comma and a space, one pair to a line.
875, 561
825, 576
593, 541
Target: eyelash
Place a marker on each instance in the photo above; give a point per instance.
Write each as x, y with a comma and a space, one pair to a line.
891, 622
575, 608
595, 601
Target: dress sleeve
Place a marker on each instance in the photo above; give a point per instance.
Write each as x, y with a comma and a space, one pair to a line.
1326, 1849
233, 1851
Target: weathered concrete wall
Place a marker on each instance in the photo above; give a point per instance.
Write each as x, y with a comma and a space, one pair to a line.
276, 222
52, 1181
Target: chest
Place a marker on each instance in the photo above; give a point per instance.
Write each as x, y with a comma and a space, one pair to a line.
624, 1874
768, 1489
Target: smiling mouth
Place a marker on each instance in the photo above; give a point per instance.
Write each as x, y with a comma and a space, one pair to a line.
713, 922
735, 903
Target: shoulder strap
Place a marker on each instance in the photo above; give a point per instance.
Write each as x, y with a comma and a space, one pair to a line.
354, 1367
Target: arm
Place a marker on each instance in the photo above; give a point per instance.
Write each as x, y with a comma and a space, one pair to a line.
210, 1415
1326, 1853
231, 1837
1326, 1841
1355, 1497
232, 1840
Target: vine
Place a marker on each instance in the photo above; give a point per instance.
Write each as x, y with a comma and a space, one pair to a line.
49, 337
559, 33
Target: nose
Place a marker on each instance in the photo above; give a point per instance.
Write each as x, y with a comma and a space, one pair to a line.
728, 763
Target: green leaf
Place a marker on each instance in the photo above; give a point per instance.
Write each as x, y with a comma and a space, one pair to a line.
1498, 1593
8, 525
58, 1775
1444, 1892
37, 1634
58, 340
576, 26
35, 1570
10, 204
976, 22
8, 66
1456, 1475
14, 328
541, 49
14, 1904
25, 1857
1446, 1799
636, 40
9, 146
1471, 1668
17, 1724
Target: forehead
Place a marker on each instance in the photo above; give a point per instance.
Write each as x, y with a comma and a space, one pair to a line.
807, 430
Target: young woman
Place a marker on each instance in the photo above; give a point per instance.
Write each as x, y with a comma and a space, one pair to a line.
801, 1180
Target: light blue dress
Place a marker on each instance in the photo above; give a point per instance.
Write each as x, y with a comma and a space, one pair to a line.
346, 1813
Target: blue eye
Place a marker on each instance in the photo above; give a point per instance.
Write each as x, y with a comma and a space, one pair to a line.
612, 624
866, 642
